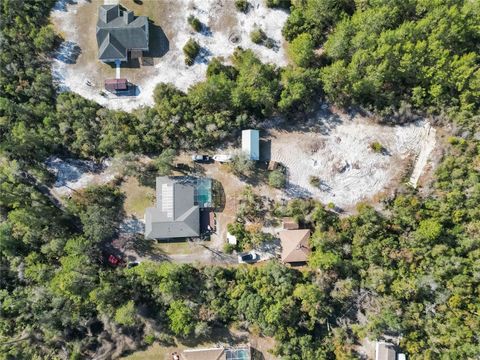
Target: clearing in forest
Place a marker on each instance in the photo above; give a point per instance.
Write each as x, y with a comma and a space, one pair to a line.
223, 29
336, 160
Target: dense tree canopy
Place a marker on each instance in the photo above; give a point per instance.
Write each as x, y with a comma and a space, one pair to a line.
410, 271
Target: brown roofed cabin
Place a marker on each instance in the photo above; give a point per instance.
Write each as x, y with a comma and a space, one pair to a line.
295, 247
115, 85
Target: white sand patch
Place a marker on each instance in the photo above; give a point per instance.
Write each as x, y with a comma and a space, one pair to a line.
71, 174
218, 38
341, 158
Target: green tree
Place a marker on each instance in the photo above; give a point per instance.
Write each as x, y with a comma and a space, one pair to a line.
164, 162
301, 50
182, 319
126, 314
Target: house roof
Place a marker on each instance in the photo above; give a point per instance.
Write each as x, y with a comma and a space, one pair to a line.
251, 143
175, 214
384, 351
295, 247
204, 354
119, 31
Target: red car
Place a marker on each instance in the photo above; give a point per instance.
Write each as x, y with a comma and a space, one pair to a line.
114, 261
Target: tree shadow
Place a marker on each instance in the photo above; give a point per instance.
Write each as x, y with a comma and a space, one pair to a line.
68, 52
203, 55
256, 354
221, 336
62, 5
297, 191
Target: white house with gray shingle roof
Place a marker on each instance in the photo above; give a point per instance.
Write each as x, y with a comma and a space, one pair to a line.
119, 32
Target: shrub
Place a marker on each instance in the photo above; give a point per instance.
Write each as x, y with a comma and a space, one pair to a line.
242, 165
376, 147
126, 314
194, 23
242, 5
258, 36
228, 248
149, 339
277, 179
191, 50
314, 180
284, 4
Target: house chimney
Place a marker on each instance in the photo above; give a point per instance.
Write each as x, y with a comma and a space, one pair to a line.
128, 16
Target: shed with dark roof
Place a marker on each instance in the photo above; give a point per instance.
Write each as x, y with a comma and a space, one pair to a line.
114, 85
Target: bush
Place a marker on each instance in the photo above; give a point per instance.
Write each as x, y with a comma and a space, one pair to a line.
284, 4
194, 23
258, 36
242, 165
149, 339
314, 180
228, 248
277, 179
376, 147
191, 50
242, 5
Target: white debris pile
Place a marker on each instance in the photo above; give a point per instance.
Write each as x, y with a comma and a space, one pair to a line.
224, 29
72, 174
346, 168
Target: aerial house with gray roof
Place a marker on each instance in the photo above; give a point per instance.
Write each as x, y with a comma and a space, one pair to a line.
180, 204
120, 33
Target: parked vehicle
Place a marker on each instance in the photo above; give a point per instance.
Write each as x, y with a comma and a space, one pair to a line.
132, 264
222, 158
115, 260
201, 158
249, 257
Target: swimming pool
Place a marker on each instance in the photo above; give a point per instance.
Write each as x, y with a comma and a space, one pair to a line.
237, 354
203, 192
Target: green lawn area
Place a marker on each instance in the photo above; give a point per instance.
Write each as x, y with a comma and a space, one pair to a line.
168, 248
137, 197
154, 352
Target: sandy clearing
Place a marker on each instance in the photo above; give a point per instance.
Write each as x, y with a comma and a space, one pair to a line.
75, 61
349, 170
72, 174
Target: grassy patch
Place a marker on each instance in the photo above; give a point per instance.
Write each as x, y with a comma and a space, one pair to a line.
137, 197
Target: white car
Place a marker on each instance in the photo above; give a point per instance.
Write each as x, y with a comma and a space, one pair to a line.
249, 257
222, 158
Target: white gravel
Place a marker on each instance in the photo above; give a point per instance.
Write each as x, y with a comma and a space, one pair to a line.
171, 67
72, 174
342, 159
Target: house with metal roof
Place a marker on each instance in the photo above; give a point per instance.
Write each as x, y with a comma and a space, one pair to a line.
295, 246
251, 143
120, 32
176, 214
